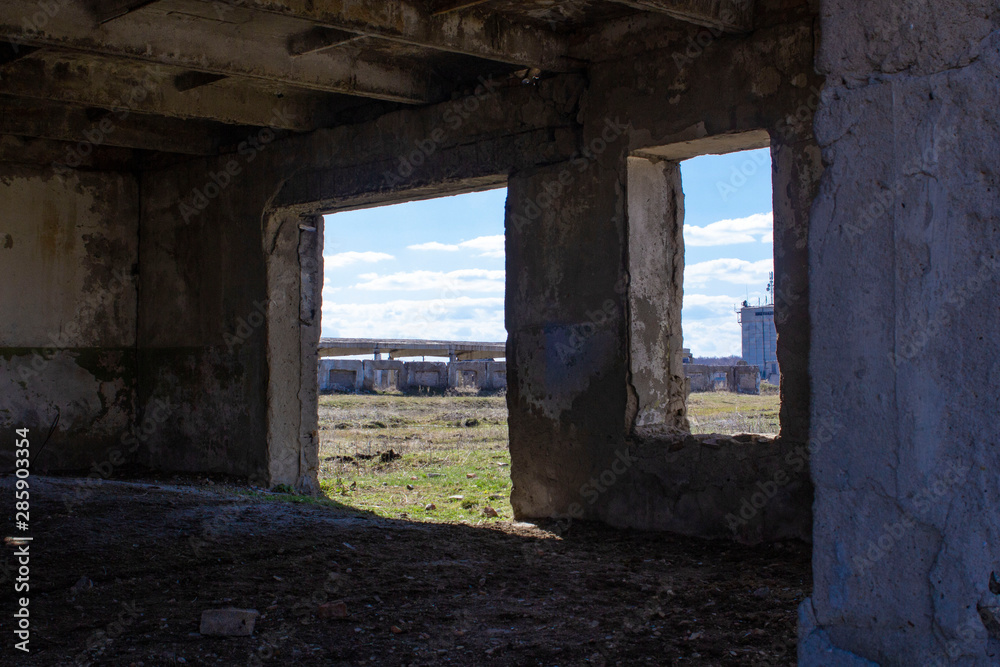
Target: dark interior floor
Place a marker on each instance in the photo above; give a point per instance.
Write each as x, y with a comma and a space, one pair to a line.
121, 572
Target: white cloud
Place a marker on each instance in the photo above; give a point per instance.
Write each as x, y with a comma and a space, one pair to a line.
433, 245
756, 227
713, 336
488, 246
451, 282
737, 271
460, 318
343, 259
700, 305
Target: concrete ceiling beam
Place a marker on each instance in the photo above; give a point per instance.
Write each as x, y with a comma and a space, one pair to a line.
726, 15
127, 86
156, 36
486, 36
109, 10
97, 127
319, 39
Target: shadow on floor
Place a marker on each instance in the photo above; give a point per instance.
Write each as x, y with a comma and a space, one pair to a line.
121, 571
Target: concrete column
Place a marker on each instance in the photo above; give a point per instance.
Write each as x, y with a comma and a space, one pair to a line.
904, 256
294, 281
566, 324
796, 170
655, 290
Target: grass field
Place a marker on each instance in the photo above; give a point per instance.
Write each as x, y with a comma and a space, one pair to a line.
445, 458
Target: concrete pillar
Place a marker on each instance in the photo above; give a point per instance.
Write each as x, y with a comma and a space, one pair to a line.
655, 290
904, 255
796, 170
294, 283
567, 342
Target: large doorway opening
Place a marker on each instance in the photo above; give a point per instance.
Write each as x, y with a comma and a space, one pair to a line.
412, 369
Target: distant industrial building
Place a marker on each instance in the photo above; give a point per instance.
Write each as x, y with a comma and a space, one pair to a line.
760, 340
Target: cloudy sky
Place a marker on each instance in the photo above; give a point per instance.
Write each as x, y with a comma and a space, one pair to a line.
435, 269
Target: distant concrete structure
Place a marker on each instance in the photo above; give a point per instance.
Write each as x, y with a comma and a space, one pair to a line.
469, 366
760, 340
741, 379
395, 348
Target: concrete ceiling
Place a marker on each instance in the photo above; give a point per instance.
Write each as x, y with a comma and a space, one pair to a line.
191, 72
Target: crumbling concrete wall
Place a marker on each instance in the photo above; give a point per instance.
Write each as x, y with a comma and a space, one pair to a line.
341, 375
905, 230
384, 374
426, 374
573, 395
68, 251
738, 379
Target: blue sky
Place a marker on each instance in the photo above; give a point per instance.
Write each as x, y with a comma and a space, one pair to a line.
435, 269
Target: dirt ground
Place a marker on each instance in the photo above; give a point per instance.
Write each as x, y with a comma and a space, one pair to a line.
122, 577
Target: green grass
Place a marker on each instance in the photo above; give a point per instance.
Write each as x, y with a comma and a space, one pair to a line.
728, 413
447, 446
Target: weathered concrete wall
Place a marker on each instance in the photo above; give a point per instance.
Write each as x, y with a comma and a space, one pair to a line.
341, 375
427, 374
905, 230
391, 375
68, 250
739, 379
746, 488
384, 374
578, 382
202, 311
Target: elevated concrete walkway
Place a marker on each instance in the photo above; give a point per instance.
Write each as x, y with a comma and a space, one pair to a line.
455, 350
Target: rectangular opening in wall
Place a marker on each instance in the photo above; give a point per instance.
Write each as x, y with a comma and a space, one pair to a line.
703, 345
730, 344
412, 406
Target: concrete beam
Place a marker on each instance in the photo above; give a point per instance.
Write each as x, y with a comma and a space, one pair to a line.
109, 10
726, 15
51, 120
156, 36
11, 52
87, 82
190, 80
319, 39
491, 37
456, 6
